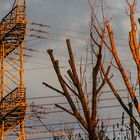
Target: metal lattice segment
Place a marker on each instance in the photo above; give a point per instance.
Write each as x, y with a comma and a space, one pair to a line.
13, 95
15, 16
12, 30
13, 38
13, 100
12, 64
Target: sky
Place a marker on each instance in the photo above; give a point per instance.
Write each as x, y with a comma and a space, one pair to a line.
67, 19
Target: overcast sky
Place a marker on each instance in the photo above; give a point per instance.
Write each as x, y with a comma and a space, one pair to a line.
68, 19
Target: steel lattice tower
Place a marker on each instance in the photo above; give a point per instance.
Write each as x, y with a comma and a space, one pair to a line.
12, 90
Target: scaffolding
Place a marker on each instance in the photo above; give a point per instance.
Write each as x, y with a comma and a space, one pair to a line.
12, 90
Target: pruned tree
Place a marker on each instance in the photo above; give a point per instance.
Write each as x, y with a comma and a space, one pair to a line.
132, 85
87, 115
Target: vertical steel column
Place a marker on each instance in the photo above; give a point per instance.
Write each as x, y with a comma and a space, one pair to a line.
2, 131
21, 87
17, 12
22, 68
2, 71
2, 85
22, 133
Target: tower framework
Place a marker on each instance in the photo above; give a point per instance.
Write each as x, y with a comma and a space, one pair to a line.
12, 90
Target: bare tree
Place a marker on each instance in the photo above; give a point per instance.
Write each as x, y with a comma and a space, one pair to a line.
132, 87
74, 85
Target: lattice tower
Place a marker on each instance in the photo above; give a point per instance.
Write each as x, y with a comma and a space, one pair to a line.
12, 90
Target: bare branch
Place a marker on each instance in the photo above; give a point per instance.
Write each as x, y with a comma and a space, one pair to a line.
119, 99
103, 82
128, 3
77, 83
134, 3
102, 38
82, 75
94, 80
94, 39
103, 16
93, 15
73, 91
121, 69
53, 88
64, 109
66, 93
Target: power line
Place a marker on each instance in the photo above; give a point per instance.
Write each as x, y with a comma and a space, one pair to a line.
61, 111
65, 29
59, 96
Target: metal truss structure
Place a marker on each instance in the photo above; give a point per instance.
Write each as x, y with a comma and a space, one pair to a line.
12, 90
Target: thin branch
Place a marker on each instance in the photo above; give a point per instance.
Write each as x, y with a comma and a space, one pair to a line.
102, 39
119, 99
71, 113
70, 82
81, 79
53, 88
128, 3
73, 91
93, 14
103, 82
84, 72
114, 66
94, 40
103, 16
134, 3
44, 124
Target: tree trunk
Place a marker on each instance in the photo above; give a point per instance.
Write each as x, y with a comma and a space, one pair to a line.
93, 135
